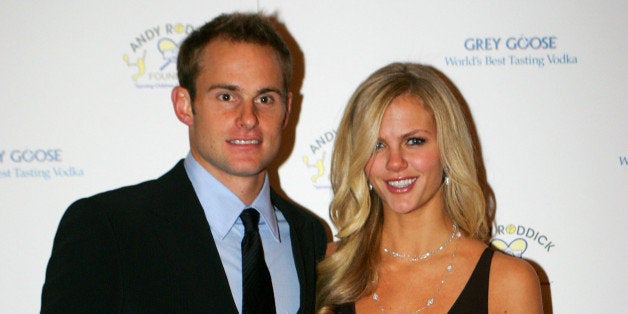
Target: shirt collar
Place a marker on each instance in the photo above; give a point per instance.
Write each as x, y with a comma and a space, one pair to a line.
222, 207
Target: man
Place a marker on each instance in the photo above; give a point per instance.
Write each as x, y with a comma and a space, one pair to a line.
175, 244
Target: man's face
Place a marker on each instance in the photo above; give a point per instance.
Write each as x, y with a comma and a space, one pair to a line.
240, 110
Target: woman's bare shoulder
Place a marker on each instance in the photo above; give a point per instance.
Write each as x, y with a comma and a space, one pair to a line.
331, 248
514, 286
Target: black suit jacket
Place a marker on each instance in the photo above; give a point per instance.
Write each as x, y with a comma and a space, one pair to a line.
148, 249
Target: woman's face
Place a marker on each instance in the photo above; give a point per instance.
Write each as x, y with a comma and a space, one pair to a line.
405, 168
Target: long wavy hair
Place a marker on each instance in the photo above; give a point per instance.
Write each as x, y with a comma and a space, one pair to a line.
349, 273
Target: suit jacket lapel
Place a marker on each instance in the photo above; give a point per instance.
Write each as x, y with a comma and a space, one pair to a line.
303, 249
183, 230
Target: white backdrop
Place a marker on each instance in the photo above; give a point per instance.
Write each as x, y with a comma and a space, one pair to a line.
85, 108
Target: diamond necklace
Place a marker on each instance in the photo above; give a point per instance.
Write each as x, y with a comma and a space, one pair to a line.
448, 269
419, 257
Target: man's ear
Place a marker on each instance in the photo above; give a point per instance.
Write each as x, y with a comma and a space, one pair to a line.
182, 105
286, 118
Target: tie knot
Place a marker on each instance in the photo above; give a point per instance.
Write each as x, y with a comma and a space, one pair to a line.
250, 219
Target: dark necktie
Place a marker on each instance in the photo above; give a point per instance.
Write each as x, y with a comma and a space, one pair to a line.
257, 289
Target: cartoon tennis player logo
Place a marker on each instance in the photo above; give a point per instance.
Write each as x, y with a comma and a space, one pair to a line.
515, 248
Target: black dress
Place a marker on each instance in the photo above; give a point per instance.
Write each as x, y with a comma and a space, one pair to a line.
473, 298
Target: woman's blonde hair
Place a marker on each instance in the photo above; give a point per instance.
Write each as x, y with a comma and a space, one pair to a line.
356, 212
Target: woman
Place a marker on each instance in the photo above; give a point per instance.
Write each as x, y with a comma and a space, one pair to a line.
410, 213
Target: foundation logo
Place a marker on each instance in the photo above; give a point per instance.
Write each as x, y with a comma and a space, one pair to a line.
318, 161
36, 164
517, 239
152, 55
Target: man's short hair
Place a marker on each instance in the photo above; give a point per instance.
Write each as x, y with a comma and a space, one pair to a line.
238, 27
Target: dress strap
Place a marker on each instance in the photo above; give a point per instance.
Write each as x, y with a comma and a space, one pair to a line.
474, 296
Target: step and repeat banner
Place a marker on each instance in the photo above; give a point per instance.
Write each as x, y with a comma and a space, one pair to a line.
86, 108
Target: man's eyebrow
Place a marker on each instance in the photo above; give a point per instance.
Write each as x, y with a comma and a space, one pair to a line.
270, 90
223, 86
236, 88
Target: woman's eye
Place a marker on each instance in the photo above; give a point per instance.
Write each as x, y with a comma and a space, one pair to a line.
379, 145
416, 141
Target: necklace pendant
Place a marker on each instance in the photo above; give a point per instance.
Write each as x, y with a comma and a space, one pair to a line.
430, 301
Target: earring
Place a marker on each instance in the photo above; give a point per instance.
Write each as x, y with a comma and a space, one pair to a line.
447, 181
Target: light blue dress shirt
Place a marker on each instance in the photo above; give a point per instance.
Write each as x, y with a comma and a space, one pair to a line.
222, 210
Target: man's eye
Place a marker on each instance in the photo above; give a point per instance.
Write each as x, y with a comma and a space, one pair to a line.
265, 99
225, 97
